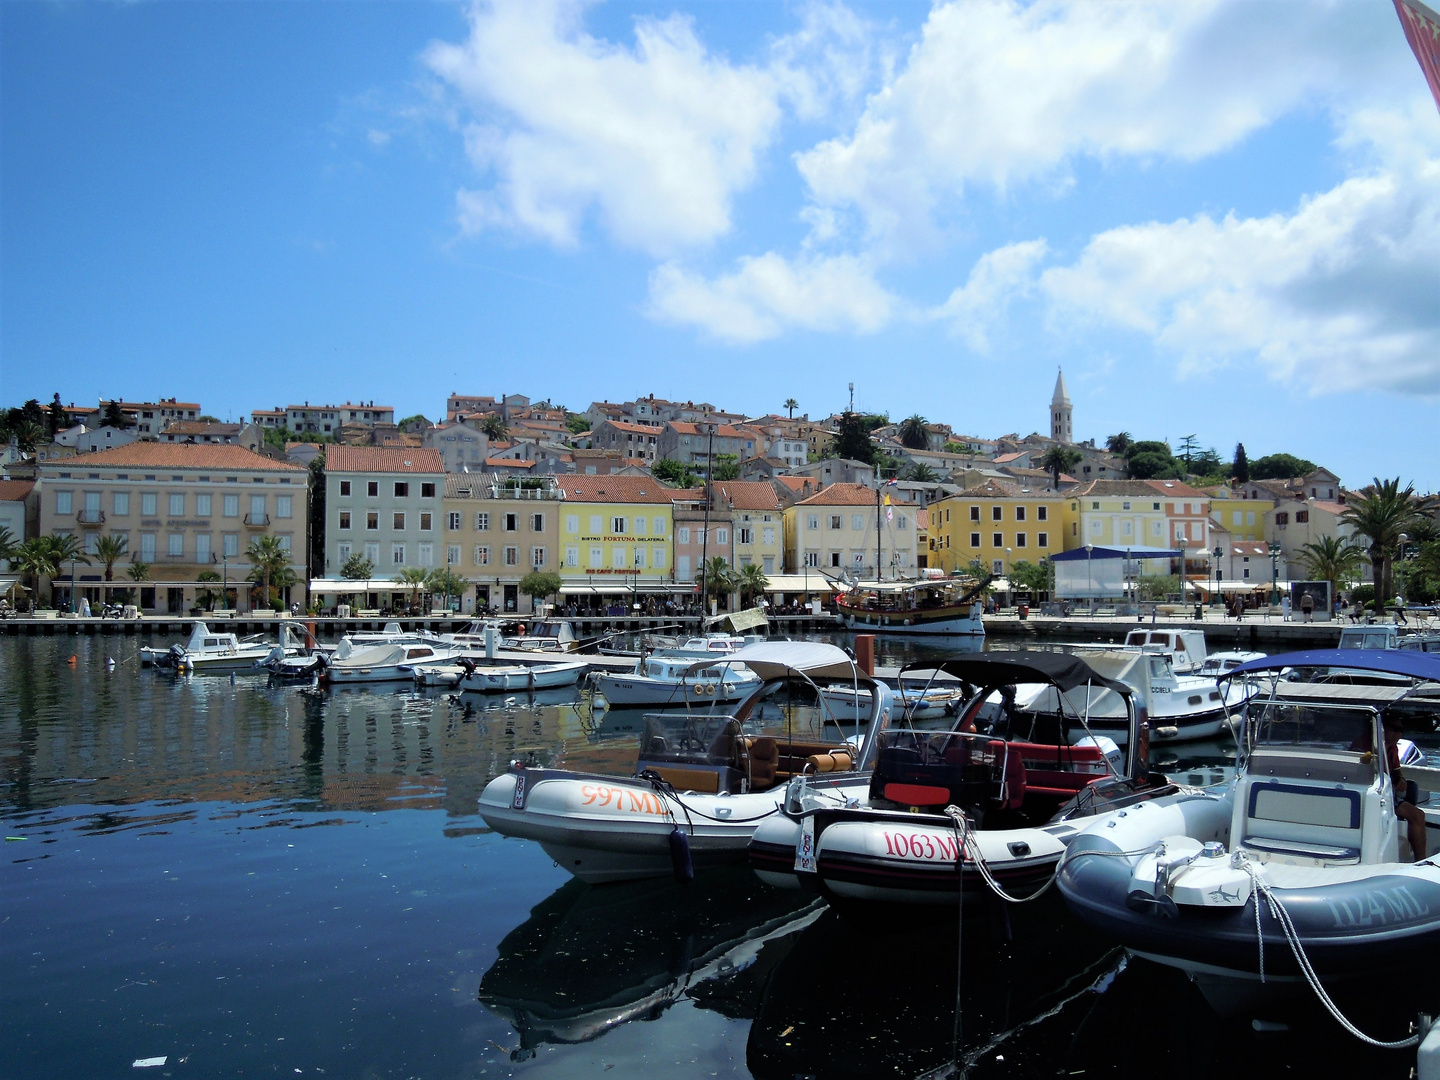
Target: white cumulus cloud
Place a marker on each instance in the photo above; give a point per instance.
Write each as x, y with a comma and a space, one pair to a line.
998, 277
999, 93
654, 139
769, 294
1341, 295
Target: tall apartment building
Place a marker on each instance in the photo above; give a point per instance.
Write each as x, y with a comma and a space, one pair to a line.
835, 530
323, 419
181, 509
385, 504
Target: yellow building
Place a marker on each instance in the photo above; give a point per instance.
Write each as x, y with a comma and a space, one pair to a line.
497, 530
999, 524
616, 535
1243, 519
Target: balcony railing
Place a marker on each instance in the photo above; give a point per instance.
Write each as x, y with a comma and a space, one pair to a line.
91, 517
257, 521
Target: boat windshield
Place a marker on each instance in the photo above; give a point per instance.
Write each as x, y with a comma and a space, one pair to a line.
1286, 726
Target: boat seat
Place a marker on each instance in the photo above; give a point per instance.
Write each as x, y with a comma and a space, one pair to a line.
1012, 768
1300, 821
762, 762
658, 745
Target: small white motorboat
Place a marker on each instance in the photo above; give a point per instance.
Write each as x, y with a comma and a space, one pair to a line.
492, 678
919, 702
1219, 663
663, 680
384, 662
1178, 707
703, 780
1293, 871
547, 635
989, 801
209, 652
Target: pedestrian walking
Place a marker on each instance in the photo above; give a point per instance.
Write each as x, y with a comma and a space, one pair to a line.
1307, 606
1400, 610
1285, 608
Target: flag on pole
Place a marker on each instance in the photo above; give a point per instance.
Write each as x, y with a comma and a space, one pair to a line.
892, 481
889, 510
1422, 30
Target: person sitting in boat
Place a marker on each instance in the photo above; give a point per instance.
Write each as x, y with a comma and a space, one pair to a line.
1405, 807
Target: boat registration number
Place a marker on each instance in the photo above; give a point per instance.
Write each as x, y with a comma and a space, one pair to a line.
618, 798
921, 845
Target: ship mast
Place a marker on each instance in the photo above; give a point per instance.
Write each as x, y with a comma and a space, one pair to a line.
878, 572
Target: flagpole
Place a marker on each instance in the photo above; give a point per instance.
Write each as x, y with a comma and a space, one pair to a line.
877, 522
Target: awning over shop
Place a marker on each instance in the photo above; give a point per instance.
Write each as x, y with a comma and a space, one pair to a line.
645, 588
341, 586
1098, 554
801, 583
1230, 586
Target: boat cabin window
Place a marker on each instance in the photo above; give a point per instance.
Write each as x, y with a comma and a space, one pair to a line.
413, 653
1159, 669
212, 643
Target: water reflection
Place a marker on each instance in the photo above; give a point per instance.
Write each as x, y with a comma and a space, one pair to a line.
590, 958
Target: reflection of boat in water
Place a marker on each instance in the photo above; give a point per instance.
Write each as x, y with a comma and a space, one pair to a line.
882, 1002
590, 958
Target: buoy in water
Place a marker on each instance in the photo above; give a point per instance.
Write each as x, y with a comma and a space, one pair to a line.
110, 663
71, 661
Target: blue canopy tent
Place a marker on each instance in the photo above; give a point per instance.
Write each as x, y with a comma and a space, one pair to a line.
1102, 572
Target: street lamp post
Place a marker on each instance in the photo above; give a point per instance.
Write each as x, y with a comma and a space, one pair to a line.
1274, 550
74, 608
1217, 553
1010, 585
225, 579
709, 429
1181, 545
1089, 587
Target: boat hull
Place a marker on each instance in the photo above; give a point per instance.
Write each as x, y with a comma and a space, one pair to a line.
540, 677
959, 622
626, 690
1359, 920
606, 828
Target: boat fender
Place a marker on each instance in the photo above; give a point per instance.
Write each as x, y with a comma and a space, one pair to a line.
680, 856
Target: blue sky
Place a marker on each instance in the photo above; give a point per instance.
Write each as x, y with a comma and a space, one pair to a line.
1220, 217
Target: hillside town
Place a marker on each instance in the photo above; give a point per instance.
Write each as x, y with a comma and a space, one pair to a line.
505, 503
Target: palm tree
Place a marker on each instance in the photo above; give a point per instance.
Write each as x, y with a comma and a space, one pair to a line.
268, 560
27, 433
720, 580
1059, 459
108, 550
8, 546
413, 578
1332, 559
494, 426
752, 582
922, 473
139, 571
1380, 513
36, 558
1119, 443
791, 405
914, 433
206, 597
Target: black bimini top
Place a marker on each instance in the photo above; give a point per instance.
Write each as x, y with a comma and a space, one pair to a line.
1062, 670
1414, 665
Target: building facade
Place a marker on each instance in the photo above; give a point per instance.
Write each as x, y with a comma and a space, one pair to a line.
999, 524
385, 504
616, 534
835, 530
181, 510
497, 530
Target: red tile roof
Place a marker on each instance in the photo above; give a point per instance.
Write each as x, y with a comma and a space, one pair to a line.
615, 489
723, 431
383, 459
15, 490
842, 495
158, 455
748, 494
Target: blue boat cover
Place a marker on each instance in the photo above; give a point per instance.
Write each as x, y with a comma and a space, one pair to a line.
1413, 665
1133, 553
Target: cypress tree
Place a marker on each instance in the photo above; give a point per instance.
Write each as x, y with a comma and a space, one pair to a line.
1241, 470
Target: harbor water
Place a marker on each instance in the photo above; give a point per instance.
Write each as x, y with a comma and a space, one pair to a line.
209, 877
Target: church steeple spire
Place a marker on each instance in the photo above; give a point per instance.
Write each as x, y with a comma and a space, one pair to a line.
1061, 429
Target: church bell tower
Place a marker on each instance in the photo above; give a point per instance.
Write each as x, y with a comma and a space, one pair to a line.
1061, 429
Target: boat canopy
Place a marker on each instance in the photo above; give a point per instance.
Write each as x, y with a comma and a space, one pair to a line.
1134, 554
1414, 665
1062, 670
776, 659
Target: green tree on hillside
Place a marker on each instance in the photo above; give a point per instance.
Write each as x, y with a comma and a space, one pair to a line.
1279, 467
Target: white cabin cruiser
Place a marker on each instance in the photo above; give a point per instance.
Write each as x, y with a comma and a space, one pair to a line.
209, 652
1219, 663
1180, 707
1184, 648
1293, 871
989, 800
552, 635
667, 680
703, 781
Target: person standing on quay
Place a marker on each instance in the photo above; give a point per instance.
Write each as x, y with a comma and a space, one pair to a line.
1307, 606
1285, 608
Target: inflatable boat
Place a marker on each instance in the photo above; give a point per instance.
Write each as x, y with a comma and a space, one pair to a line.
1295, 870
990, 801
703, 779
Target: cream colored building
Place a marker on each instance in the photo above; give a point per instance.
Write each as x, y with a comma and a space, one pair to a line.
182, 510
497, 530
834, 531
